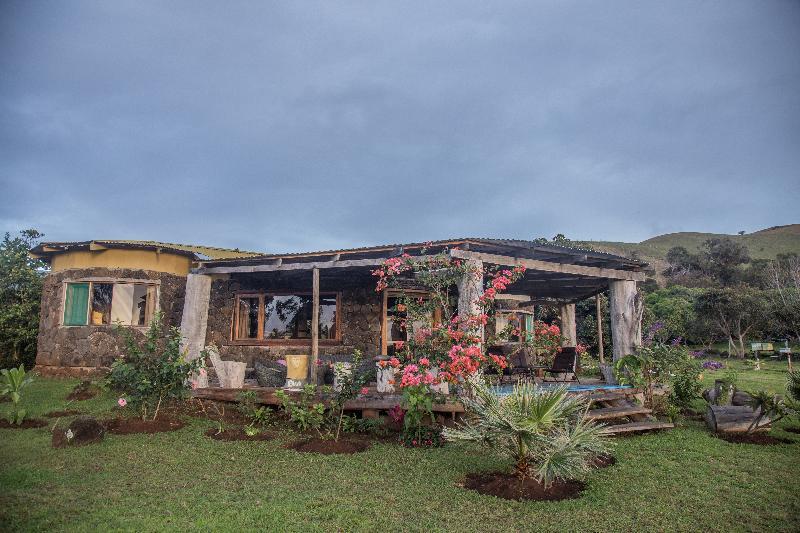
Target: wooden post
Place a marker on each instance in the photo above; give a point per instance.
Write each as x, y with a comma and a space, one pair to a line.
195, 319
600, 330
625, 307
314, 325
470, 289
568, 327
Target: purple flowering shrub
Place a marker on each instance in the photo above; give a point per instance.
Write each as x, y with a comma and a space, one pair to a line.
713, 365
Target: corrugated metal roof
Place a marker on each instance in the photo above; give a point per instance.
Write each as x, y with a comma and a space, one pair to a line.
199, 252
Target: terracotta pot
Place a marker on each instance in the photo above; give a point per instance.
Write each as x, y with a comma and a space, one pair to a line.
297, 367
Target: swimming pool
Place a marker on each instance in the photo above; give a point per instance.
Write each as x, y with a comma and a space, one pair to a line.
505, 390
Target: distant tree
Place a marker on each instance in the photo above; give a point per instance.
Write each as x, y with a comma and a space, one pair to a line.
561, 240
783, 278
742, 232
717, 264
721, 259
734, 312
20, 299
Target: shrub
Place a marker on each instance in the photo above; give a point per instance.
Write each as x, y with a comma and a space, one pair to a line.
543, 431
350, 385
685, 383
14, 382
304, 413
259, 415
152, 370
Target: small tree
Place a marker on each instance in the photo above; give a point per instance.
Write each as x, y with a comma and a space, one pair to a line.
734, 312
350, 385
544, 432
14, 381
152, 369
20, 299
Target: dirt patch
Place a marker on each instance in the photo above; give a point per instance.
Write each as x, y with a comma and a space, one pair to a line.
225, 413
604, 461
59, 414
329, 447
793, 429
752, 438
28, 423
233, 434
508, 486
126, 426
83, 430
84, 390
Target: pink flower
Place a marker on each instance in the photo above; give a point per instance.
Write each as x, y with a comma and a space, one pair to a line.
122, 402
424, 361
364, 390
203, 372
194, 383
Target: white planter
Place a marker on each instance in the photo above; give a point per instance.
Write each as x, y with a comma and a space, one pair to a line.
441, 388
385, 375
340, 371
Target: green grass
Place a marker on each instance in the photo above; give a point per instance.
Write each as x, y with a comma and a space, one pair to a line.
771, 377
763, 244
679, 480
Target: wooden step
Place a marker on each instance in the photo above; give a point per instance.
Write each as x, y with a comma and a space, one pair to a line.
635, 427
606, 413
607, 396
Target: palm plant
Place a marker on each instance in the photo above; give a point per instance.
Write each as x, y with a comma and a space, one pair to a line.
544, 431
14, 381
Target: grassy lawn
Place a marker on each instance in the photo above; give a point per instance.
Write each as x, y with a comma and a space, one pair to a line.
680, 480
771, 377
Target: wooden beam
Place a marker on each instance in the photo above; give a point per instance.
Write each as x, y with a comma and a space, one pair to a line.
283, 267
599, 329
94, 247
314, 324
547, 266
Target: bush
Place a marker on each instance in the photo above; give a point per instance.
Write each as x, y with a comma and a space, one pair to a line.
14, 382
544, 432
305, 413
152, 370
686, 385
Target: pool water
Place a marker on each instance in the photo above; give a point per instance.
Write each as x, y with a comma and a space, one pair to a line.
505, 390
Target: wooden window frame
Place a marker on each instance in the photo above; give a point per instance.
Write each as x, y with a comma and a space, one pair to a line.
261, 341
394, 293
113, 281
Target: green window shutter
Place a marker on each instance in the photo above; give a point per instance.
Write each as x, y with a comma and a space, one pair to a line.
76, 304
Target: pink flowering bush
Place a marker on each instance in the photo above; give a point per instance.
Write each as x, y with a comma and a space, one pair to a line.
445, 351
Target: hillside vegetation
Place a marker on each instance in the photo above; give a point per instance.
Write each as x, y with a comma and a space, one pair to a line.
763, 244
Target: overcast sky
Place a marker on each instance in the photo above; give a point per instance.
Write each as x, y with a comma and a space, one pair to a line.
286, 126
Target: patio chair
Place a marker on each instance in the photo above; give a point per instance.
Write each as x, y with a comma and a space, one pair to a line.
565, 363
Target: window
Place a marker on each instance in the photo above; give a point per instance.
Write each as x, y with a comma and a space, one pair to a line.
274, 317
395, 316
518, 319
98, 303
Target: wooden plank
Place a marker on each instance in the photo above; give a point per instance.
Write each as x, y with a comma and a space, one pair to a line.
314, 324
266, 395
547, 266
634, 427
607, 413
284, 266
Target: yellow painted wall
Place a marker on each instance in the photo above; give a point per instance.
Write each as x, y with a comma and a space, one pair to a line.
116, 258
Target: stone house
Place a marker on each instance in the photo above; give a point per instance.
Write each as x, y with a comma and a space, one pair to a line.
263, 306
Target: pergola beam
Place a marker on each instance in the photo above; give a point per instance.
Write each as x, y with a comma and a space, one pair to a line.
547, 266
284, 266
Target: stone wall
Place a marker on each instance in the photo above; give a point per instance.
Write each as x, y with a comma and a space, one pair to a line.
81, 350
360, 321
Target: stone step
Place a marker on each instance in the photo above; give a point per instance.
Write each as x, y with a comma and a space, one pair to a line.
636, 427
617, 412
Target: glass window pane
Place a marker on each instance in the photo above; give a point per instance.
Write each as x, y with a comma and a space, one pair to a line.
287, 317
327, 316
76, 304
247, 315
102, 294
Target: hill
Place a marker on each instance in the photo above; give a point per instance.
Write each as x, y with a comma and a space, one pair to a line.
763, 244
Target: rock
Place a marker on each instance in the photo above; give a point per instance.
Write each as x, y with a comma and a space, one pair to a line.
270, 374
83, 430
